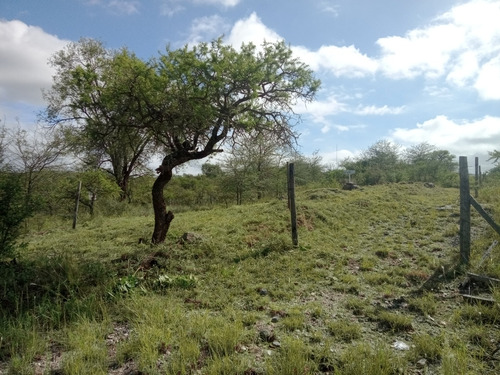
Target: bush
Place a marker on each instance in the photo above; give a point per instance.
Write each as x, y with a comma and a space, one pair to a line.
14, 208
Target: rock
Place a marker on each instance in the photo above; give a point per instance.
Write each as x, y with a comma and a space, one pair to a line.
275, 319
276, 344
263, 292
421, 363
266, 335
400, 345
429, 185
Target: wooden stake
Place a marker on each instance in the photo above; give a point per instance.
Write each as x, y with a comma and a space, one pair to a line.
464, 211
291, 200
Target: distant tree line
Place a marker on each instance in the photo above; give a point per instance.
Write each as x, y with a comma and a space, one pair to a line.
39, 175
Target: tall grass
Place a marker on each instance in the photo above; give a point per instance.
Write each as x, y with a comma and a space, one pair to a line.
242, 300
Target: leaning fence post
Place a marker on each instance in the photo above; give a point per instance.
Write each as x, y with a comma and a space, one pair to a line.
291, 200
464, 211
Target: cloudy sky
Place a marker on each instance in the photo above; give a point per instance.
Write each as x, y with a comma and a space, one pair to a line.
409, 71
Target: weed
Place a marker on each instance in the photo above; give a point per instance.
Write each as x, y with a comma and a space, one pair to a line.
426, 304
367, 264
344, 330
427, 346
185, 359
223, 337
395, 322
181, 282
293, 358
356, 305
294, 320
365, 359
87, 352
202, 306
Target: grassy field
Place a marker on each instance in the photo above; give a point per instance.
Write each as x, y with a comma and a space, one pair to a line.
372, 288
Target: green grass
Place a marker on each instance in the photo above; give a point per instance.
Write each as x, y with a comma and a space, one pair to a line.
98, 300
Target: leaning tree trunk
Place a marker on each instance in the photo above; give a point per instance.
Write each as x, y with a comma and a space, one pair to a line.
162, 217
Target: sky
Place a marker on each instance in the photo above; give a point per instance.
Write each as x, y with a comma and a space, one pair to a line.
408, 71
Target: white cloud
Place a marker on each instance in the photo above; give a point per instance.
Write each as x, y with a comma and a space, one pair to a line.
171, 7
319, 110
421, 52
332, 159
460, 138
340, 61
329, 7
24, 71
252, 30
225, 3
465, 68
378, 111
462, 46
118, 6
206, 28
488, 80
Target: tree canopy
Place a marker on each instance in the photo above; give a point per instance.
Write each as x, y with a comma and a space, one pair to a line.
186, 103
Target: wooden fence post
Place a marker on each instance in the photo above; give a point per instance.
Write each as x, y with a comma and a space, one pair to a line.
77, 204
476, 177
291, 201
464, 211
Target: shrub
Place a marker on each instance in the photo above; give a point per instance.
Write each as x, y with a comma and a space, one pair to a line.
14, 208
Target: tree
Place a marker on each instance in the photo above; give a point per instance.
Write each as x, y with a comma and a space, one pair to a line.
308, 169
494, 156
98, 94
380, 163
14, 209
428, 164
253, 165
34, 152
212, 93
3, 145
95, 183
188, 102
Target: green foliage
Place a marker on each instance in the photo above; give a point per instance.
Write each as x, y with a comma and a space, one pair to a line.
15, 207
293, 358
427, 346
180, 281
394, 321
344, 330
384, 163
363, 358
201, 307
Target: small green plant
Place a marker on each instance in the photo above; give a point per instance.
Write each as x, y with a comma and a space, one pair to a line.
344, 330
427, 346
356, 305
87, 349
185, 359
365, 359
181, 282
292, 359
294, 320
395, 322
223, 337
426, 304
126, 285
367, 263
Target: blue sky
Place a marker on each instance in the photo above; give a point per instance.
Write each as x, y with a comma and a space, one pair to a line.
408, 71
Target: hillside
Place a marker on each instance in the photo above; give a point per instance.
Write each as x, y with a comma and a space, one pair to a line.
372, 288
